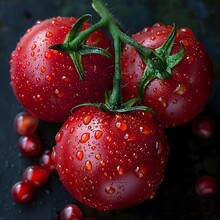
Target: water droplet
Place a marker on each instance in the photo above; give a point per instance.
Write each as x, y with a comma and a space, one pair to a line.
87, 119
58, 93
109, 190
32, 53
59, 136
152, 195
85, 137
109, 138
190, 59
180, 89
49, 34
102, 163
153, 37
19, 49
71, 130
141, 171
120, 170
98, 156
185, 43
43, 69
98, 134
121, 125
131, 138
159, 147
79, 155
163, 102
47, 55
145, 130
59, 168
33, 46
88, 165
48, 78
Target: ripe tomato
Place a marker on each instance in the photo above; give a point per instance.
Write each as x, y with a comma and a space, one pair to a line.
111, 161
180, 98
45, 81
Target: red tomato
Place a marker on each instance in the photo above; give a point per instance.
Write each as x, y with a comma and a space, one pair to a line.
45, 81
180, 98
111, 161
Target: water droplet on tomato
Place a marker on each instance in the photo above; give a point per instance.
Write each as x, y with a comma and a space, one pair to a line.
109, 190
48, 78
153, 37
180, 89
47, 55
49, 34
190, 59
79, 155
59, 136
98, 134
109, 138
87, 119
71, 130
33, 46
98, 156
32, 53
141, 171
185, 43
152, 195
18, 49
88, 165
120, 170
59, 168
159, 147
163, 102
145, 130
85, 137
43, 69
121, 125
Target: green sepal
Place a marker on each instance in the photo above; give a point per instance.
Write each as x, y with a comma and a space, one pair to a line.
161, 65
95, 50
76, 29
77, 60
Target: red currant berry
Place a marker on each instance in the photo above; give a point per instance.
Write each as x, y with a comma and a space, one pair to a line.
36, 175
29, 145
22, 192
25, 123
203, 127
206, 186
71, 212
47, 162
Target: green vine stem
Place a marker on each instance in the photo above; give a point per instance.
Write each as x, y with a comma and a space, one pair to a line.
158, 62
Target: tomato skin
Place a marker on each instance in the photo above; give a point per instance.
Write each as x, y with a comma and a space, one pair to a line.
45, 81
111, 161
180, 98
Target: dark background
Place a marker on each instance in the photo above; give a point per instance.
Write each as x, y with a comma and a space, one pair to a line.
190, 156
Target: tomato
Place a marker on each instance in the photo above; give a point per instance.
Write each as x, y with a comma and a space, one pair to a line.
111, 160
46, 82
184, 94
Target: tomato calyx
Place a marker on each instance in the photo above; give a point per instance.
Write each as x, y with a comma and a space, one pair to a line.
77, 49
158, 62
160, 68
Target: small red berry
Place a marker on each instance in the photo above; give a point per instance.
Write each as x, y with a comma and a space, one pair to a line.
71, 212
47, 162
29, 145
25, 123
36, 175
206, 186
203, 126
22, 192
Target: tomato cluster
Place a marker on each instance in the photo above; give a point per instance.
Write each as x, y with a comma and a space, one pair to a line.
111, 155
